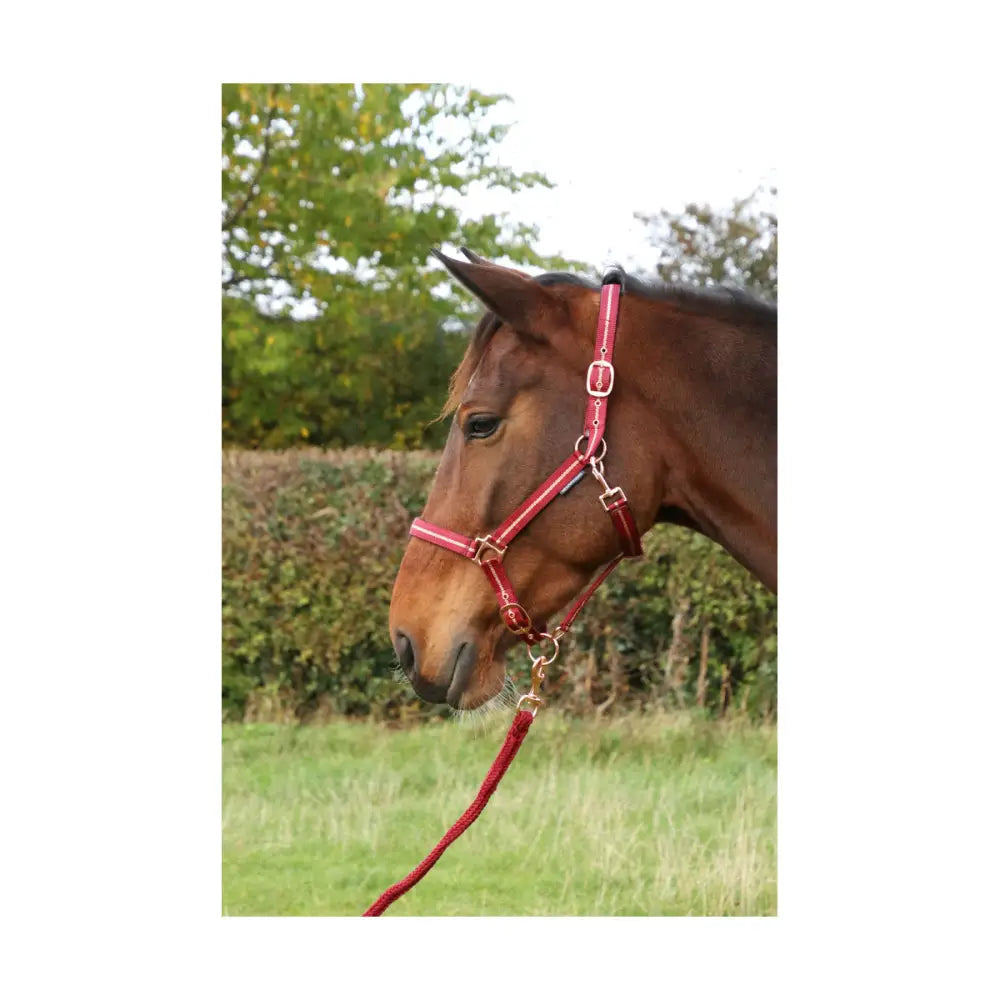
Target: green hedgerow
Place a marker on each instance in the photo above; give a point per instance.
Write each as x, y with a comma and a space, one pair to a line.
311, 542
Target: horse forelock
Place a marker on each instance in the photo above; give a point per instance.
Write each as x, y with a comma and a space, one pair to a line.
462, 375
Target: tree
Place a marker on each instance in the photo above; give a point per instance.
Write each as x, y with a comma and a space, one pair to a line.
336, 327
736, 246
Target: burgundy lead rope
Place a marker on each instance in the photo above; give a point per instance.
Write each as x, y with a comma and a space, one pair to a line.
515, 737
488, 551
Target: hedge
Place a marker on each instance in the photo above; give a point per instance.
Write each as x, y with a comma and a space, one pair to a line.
311, 541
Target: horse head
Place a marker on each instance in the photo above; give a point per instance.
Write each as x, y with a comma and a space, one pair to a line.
517, 401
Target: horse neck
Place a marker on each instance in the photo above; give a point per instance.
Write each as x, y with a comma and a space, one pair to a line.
708, 385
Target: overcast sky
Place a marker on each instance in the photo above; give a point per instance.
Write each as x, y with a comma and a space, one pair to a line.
610, 157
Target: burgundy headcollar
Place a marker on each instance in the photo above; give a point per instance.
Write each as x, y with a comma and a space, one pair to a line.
488, 550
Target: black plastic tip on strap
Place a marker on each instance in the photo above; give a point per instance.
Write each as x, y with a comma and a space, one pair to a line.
614, 276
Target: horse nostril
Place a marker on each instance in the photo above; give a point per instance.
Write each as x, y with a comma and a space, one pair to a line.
404, 650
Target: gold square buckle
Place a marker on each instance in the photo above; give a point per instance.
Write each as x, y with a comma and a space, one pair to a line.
606, 368
507, 616
613, 495
484, 543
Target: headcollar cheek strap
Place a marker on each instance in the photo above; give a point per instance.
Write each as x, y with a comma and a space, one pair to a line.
560, 480
601, 373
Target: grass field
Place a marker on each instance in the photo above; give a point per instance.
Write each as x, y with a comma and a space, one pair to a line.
648, 815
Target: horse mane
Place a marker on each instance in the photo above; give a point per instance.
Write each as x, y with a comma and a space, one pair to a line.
725, 302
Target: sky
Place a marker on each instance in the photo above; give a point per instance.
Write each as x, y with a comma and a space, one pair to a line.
610, 157
609, 154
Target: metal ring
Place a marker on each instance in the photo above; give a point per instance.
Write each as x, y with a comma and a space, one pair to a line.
545, 660
602, 448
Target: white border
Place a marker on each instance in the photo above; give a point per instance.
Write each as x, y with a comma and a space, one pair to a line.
110, 390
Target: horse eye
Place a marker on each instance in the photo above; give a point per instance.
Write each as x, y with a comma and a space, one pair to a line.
481, 425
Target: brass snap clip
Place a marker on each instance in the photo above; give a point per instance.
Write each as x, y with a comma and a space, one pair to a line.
538, 665
611, 494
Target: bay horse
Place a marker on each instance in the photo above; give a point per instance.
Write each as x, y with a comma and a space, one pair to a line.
690, 437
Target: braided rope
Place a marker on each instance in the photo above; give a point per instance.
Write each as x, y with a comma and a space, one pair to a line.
515, 737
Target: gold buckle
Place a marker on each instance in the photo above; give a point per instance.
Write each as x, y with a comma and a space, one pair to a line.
485, 542
524, 629
606, 503
601, 393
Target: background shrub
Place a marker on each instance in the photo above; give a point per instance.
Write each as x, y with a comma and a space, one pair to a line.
311, 542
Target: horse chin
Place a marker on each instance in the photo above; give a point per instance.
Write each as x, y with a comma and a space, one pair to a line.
486, 692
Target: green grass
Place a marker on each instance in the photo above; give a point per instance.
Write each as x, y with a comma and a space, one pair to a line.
642, 815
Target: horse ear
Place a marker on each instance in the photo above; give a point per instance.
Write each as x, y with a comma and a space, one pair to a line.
513, 295
476, 259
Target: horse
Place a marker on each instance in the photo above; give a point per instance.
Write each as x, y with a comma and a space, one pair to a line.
690, 434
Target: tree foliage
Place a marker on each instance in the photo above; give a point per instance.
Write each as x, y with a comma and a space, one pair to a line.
336, 329
735, 246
